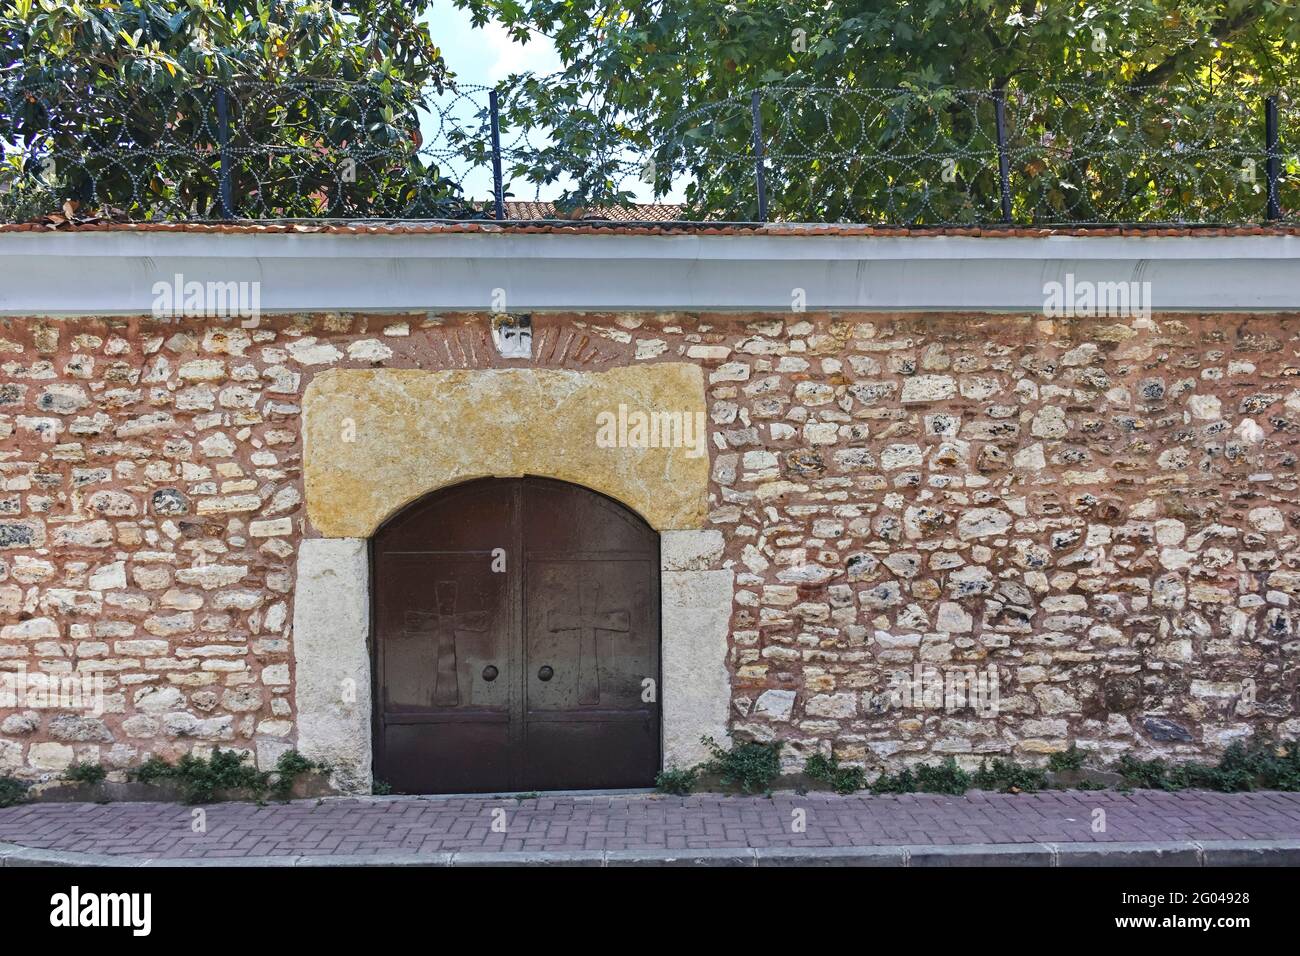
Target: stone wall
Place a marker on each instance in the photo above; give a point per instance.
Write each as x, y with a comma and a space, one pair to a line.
1102, 512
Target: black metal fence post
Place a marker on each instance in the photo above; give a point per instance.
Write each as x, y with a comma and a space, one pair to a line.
1004, 166
223, 142
760, 174
1273, 170
498, 189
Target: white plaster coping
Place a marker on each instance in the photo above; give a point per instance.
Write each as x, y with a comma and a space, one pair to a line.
116, 271
331, 640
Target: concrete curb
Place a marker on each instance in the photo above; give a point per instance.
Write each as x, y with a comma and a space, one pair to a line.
1206, 853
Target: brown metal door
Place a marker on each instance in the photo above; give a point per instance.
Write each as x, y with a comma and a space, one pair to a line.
516, 641
444, 649
591, 641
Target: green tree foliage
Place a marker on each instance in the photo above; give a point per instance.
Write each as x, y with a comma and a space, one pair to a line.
152, 42
866, 114
115, 104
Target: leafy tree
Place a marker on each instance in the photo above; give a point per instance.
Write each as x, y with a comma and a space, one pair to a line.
865, 121
871, 109
119, 104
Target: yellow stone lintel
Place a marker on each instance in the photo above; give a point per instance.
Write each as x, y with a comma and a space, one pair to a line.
377, 439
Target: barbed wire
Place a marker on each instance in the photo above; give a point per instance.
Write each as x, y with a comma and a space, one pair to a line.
325, 149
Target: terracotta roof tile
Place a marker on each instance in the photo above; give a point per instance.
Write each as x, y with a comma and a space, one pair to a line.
645, 212
589, 227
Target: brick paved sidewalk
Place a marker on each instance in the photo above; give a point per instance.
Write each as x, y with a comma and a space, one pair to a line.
411, 826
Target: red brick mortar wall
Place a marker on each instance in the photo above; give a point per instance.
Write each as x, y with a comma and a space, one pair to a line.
1103, 513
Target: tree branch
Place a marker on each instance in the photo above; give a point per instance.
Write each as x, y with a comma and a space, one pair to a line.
1224, 30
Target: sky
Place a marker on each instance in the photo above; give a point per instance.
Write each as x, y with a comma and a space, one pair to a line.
483, 57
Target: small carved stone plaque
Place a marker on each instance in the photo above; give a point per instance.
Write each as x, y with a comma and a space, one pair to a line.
513, 335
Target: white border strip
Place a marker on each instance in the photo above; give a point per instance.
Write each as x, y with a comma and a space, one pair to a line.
114, 272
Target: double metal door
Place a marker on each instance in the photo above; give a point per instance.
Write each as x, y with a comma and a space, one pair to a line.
516, 641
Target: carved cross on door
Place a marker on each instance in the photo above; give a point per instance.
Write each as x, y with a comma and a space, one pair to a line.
446, 624
587, 621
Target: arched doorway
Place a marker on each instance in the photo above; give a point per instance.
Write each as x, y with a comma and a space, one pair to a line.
516, 641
